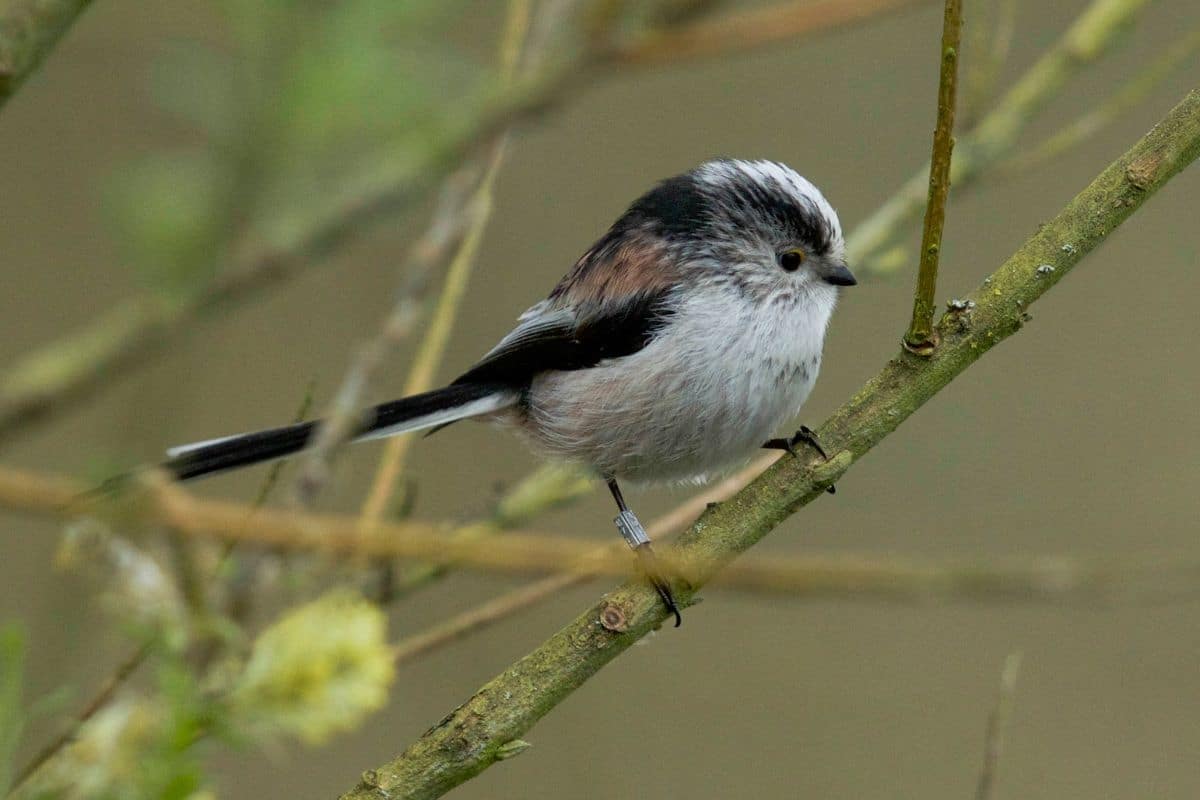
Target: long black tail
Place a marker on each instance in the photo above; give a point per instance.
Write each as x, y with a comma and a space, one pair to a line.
428, 410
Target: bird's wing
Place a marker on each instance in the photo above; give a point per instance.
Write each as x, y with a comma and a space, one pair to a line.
574, 337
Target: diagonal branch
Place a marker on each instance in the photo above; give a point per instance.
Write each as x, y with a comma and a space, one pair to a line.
1129, 94
993, 139
29, 29
749, 29
467, 741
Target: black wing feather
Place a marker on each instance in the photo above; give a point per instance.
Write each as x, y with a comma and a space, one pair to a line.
571, 344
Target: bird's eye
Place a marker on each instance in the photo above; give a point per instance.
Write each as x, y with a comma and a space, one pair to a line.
791, 260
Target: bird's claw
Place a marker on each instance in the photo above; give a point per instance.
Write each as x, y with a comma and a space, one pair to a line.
805, 435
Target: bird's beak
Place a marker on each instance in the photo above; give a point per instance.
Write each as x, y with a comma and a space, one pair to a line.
838, 274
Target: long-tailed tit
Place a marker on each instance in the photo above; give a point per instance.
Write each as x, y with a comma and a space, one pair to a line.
676, 345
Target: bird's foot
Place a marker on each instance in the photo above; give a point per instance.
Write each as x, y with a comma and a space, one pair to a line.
636, 537
805, 435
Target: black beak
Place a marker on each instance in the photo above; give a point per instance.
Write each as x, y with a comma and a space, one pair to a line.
838, 274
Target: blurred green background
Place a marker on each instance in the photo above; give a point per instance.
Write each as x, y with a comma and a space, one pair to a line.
1078, 436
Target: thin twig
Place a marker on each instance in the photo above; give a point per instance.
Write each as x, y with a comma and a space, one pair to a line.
424, 370
1045, 578
1132, 92
238, 607
1090, 35
997, 725
107, 690
550, 487
751, 29
466, 741
986, 51
457, 224
510, 603
448, 223
919, 339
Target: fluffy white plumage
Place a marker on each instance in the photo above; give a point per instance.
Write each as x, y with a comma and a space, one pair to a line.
733, 367
726, 376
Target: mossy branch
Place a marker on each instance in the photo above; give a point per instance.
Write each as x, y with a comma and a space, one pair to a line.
468, 740
29, 29
920, 339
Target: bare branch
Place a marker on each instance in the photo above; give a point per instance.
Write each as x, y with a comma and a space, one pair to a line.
107, 690
1044, 578
920, 339
997, 724
423, 374
751, 29
1089, 37
1126, 97
989, 28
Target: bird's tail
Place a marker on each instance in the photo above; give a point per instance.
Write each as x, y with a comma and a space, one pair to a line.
431, 409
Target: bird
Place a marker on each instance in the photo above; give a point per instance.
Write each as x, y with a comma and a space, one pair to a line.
671, 351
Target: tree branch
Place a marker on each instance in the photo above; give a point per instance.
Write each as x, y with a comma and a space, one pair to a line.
474, 211
1040, 578
997, 723
466, 742
752, 28
1129, 94
29, 29
1091, 34
920, 339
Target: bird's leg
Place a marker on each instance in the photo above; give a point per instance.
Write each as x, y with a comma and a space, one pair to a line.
639, 541
805, 435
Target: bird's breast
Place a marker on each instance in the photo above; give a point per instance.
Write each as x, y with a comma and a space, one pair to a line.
704, 395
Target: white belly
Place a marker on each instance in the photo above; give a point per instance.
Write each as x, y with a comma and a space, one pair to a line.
726, 376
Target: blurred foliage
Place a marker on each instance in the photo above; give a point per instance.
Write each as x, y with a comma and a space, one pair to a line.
137, 588
136, 748
317, 671
296, 95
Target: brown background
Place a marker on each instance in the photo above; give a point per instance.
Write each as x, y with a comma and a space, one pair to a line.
1078, 436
